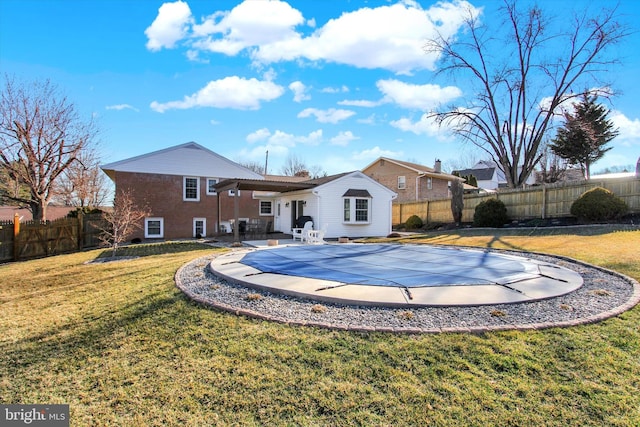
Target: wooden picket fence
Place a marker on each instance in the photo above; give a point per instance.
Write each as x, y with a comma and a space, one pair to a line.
36, 239
545, 201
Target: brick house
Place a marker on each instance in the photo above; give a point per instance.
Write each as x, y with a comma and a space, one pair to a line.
177, 185
412, 182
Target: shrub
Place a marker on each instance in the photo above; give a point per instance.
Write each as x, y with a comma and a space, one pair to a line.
414, 222
490, 213
85, 211
598, 204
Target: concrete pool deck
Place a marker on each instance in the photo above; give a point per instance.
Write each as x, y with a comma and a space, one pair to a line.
552, 281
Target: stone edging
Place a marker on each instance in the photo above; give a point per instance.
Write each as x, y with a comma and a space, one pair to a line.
631, 301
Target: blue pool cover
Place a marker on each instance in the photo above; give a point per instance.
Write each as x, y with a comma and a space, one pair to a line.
394, 265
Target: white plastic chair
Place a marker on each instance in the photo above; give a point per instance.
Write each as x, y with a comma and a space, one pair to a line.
302, 233
316, 237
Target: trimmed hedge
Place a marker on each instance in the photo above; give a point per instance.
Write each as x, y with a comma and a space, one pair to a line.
414, 222
490, 213
598, 204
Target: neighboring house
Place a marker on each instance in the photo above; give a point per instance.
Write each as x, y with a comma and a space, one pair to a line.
7, 213
489, 175
177, 185
348, 204
411, 181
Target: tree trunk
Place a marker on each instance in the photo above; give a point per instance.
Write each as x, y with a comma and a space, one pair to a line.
38, 210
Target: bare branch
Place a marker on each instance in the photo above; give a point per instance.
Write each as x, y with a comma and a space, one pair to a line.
522, 73
41, 135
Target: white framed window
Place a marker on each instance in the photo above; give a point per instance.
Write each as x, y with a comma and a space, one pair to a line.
154, 227
232, 193
356, 210
199, 227
347, 210
429, 183
266, 207
191, 189
402, 183
362, 210
211, 182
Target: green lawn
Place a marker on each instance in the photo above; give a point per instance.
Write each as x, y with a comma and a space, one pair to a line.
122, 346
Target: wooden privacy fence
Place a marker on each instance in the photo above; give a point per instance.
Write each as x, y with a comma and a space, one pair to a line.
35, 239
546, 201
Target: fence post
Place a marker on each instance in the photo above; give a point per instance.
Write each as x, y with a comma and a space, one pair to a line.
16, 231
80, 230
426, 218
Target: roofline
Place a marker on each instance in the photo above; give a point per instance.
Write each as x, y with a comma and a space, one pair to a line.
364, 175
261, 185
112, 166
423, 172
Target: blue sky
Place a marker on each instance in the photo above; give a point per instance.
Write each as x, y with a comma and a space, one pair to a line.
335, 83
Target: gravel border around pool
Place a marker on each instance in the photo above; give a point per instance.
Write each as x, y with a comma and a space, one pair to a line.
604, 294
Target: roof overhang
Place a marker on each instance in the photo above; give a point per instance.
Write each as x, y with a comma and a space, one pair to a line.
261, 185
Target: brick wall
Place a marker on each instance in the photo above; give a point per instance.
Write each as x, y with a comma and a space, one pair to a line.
163, 195
387, 175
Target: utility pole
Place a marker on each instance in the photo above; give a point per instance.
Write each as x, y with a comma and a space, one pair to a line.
266, 162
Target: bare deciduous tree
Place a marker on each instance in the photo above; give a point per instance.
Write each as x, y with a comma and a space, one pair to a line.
83, 184
252, 166
552, 167
295, 166
41, 135
521, 74
122, 221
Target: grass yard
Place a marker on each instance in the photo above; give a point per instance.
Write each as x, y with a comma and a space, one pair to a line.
122, 346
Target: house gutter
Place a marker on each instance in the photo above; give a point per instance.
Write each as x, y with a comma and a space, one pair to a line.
315, 193
420, 175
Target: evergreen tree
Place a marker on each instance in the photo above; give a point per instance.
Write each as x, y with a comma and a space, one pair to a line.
583, 138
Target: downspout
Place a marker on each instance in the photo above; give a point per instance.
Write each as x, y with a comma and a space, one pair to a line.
420, 175
315, 193
236, 214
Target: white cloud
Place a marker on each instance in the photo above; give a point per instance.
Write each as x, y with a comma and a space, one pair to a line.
299, 91
629, 129
120, 107
194, 56
424, 126
283, 139
259, 135
343, 138
280, 138
420, 97
368, 120
249, 24
331, 115
268, 31
361, 103
231, 92
396, 34
314, 138
342, 89
170, 26
371, 154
